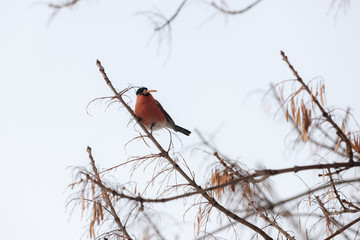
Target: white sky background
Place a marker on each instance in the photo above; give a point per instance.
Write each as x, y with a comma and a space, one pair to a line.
208, 80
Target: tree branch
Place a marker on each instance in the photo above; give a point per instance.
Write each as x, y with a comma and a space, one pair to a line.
312, 191
63, 5
168, 21
166, 156
234, 12
311, 139
107, 199
343, 229
153, 226
266, 219
325, 114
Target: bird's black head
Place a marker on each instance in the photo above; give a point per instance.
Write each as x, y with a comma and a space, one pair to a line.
144, 91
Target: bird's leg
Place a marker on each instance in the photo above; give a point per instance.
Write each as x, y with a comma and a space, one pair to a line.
152, 127
139, 119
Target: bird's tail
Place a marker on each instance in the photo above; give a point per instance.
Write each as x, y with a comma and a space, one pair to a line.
182, 130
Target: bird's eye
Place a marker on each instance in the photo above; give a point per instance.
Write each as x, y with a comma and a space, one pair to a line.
141, 91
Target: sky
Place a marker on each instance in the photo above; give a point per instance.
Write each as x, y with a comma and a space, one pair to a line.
211, 75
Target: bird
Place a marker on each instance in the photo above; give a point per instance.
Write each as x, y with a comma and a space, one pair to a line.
152, 114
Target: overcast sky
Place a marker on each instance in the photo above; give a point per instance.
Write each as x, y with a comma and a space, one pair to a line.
210, 76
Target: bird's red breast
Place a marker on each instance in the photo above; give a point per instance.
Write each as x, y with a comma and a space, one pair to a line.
147, 108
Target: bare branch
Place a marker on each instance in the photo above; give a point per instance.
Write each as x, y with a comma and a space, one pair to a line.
107, 199
279, 203
168, 21
335, 190
154, 226
70, 3
325, 114
343, 229
266, 219
235, 12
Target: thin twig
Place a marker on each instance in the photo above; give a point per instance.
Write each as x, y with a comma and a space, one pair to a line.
107, 199
327, 216
153, 226
63, 5
343, 229
168, 21
235, 12
335, 190
279, 203
266, 219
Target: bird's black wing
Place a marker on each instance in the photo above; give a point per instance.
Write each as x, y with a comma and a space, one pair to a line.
172, 123
168, 118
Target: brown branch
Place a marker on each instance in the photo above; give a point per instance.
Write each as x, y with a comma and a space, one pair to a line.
265, 172
296, 169
312, 191
107, 199
335, 191
166, 155
351, 204
325, 114
168, 21
230, 168
266, 219
258, 173
234, 12
327, 216
272, 172
153, 226
63, 5
343, 229
269, 206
